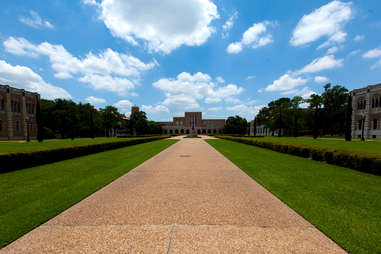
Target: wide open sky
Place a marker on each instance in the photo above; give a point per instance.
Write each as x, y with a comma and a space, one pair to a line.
220, 57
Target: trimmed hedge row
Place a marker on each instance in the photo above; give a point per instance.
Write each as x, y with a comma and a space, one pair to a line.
362, 161
15, 161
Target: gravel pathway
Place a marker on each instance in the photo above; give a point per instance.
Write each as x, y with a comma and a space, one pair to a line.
187, 199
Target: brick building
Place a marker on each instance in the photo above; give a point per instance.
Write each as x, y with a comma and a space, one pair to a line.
17, 113
366, 105
192, 123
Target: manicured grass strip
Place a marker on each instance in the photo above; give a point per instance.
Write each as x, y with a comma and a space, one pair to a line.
370, 145
15, 161
15, 146
32, 196
345, 204
369, 162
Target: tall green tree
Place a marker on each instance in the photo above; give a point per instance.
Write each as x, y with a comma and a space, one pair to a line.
110, 117
235, 125
280, 110
138, 122
295, 103
316, 103
348, 120
92, 125
334, 99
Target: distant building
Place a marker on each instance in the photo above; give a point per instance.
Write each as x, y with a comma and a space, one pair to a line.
366, 112
192, 123
262, 130
17, 113
134, 109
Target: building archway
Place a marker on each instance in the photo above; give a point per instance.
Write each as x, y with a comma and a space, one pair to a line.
182, 131
187, 131
170, 131
214, 131
203, 131
198, 131
176, 131
209, 131
165, 131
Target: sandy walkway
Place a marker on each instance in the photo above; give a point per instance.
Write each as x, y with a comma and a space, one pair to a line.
187, 199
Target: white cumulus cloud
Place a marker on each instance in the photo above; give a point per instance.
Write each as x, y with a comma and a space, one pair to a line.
374, 53
107, 70
305, 92
123, 106
244, 110
154, 109
24, 78
327, 21
256, 36
162, 25
35, 21
322, 63
95, 101
321, 79
286, 82
187, 90
359, 37
229, 24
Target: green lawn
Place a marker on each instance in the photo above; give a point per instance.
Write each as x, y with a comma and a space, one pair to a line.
345, 204
34, 145
32, 196
355, 145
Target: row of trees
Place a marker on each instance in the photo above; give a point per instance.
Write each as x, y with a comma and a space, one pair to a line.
67, 119
327, 114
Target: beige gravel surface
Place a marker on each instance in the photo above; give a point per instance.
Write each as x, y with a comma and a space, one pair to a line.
187, 199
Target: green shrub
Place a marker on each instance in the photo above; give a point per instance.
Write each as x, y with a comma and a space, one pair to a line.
317, 154
362, 161
15, 161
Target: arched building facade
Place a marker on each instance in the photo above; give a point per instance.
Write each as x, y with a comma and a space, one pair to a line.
192, 123
366, 112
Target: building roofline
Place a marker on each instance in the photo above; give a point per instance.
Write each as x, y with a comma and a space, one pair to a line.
19, 90
367, 87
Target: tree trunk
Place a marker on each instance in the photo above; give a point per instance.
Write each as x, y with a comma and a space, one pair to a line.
316, 121
348, 120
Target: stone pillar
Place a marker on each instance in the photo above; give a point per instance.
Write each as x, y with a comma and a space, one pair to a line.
354, 110
24, 114
367, 113
9, 114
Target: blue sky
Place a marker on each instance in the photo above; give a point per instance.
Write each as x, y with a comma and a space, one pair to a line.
219, 57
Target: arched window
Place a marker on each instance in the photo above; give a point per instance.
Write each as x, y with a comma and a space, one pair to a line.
361, 103
17, 126
2, 103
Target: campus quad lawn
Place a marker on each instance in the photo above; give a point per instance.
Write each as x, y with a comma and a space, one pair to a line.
345, 204
31, 196
23, 146
370, 145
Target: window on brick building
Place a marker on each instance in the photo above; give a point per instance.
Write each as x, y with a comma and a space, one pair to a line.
376, 101
17, 126
375, 124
